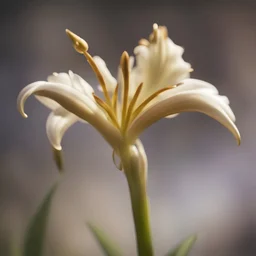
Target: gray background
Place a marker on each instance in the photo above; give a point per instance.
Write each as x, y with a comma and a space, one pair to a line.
199, 180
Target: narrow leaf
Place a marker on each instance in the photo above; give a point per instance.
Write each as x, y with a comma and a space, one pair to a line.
107, 246
35, 235
183, 248
14, 249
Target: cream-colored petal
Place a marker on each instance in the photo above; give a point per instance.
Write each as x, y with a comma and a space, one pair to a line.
76, 103
57, 124
159, 64
81, 85
190, 101
70, 79
108, 78
195, 84
48, 102
61, 78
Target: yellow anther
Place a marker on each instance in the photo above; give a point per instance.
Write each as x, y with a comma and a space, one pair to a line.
78, 43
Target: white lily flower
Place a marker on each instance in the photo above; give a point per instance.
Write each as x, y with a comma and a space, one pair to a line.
158, 86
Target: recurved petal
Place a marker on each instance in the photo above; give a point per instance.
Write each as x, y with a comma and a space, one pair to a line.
108, 78
48, 102
62, 78
64, 95
76, 103
189, 101
57, 124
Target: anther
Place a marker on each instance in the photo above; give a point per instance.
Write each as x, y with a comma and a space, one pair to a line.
78, 43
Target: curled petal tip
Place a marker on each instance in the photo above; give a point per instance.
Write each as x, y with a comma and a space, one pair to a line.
78, 43
238, 139
21, 110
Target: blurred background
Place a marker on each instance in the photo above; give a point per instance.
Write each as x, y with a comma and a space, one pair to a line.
200, 181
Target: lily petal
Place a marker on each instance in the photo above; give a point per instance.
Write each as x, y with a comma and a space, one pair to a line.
189, 101
61, 78
81, 85
195, 84
57, 124
160, 64
76, 103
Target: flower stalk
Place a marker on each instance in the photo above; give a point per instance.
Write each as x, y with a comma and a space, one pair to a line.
135, 169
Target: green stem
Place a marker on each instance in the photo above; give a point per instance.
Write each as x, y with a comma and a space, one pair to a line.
137, 181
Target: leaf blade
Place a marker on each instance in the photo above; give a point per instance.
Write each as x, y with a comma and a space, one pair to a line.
183, 248
106, 245
34, 237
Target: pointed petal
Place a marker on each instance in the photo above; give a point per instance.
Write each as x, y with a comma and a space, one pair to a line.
76, 103
57, 124
189, 101
108, 78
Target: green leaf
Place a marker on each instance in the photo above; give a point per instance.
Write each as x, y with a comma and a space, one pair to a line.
34, 238
14, 249
183, 248
107, 246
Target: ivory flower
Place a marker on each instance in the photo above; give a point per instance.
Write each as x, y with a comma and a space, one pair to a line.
157, 86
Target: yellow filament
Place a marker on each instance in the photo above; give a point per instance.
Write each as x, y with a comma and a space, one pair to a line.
114, 99
132, 104
150, 98
99, 75
82, 47
108, 110
125, 69
164, 31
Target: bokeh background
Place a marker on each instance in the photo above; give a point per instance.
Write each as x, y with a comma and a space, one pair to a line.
199, 180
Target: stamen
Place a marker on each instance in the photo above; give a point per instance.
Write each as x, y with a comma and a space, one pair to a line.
164, 31
132, 104
125, 69
108, 109
149, 99
99, 76
153, 35
144, 42
82, 47
114, 98
78, 43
